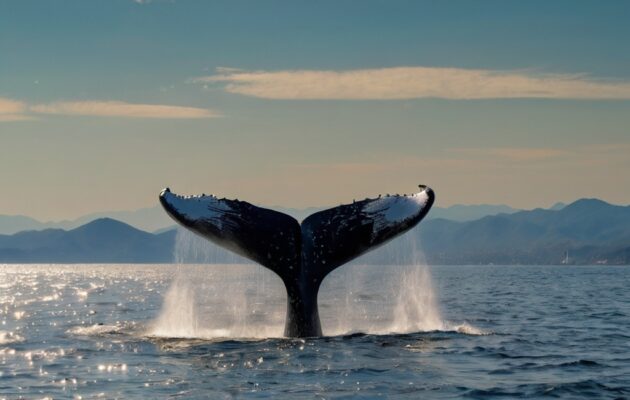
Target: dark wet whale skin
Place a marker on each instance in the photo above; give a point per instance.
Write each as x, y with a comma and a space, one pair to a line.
300, 254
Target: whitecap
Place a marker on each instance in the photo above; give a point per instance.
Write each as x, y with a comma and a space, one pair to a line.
10, 337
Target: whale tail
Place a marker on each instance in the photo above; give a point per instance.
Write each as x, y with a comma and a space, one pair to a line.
300, 254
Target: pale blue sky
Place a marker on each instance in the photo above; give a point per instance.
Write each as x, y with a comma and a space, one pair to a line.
296, 103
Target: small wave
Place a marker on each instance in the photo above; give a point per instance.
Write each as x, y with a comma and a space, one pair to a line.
581, 363
95, 330
465, 329
585, 388
581, 389
534, 366
10, 337
176, 344
528, 356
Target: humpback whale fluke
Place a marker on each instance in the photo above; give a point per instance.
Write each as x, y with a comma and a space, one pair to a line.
300, 254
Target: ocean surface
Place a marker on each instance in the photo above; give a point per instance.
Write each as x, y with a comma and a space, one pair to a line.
210, 331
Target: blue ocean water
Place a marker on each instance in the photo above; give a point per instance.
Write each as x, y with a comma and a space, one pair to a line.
167, 331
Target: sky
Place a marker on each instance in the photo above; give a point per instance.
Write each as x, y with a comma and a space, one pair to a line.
302, 103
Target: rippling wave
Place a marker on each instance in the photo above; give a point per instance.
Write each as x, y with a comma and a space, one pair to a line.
88, 331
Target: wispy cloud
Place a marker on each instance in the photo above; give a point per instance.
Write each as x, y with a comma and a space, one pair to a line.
15, 110
12, 110
122, 109
414, 82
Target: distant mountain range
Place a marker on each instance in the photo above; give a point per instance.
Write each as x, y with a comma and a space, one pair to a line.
147, 219
154, 219
588, 231
463, 213
591, 231
101, 241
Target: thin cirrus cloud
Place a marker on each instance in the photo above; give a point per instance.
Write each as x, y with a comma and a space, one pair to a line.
15, 110
413, 83
121, 109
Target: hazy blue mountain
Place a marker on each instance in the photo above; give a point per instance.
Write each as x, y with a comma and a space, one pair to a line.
558, 206
171, 227
462, 213
101, 241
10, 224
147, 219
590, 230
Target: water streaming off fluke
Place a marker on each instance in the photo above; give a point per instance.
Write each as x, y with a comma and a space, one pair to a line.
244, 300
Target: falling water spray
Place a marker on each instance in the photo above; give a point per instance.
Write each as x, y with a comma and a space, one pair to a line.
215, 293
389, 290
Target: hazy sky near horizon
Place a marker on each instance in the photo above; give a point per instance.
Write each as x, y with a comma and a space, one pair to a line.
301, 103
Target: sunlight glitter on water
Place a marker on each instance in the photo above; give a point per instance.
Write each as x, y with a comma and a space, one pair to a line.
565, 340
